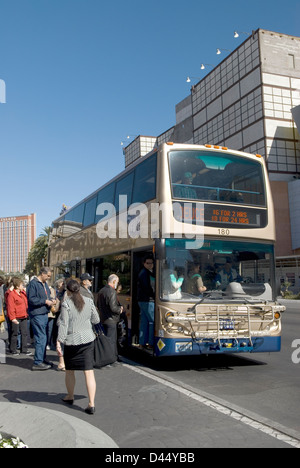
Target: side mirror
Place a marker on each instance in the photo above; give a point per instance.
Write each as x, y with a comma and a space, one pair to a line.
160, 249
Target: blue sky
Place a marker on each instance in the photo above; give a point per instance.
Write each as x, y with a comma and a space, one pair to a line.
81, 75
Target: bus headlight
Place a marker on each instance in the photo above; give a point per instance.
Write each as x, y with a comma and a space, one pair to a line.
168, 315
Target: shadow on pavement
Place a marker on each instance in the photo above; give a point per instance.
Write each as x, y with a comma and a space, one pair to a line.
201, 363
39, 397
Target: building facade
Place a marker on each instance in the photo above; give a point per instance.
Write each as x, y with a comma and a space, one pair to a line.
17, 235
249, 102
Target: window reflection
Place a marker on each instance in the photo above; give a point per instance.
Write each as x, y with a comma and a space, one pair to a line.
208, 176
221, 269
139, 186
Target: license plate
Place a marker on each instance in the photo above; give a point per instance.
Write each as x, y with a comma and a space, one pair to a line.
226, 324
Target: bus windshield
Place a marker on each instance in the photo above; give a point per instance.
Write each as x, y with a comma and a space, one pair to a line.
201, 175
218, 271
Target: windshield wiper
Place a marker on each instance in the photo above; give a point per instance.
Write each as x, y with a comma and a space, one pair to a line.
207, 295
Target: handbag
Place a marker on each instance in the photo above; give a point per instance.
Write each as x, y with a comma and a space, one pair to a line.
2, 316
103, 351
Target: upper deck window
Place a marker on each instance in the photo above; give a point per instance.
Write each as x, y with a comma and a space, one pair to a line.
106, 195
208, 176
139, 186
89, 214
124, 189
76, 215
145, 181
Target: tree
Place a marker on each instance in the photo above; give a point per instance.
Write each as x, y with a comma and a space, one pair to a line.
37, 256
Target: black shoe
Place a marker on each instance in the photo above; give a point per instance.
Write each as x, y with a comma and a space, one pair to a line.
90, 410
40, 367
68, 402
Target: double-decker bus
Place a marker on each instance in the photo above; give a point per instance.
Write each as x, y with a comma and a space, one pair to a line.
206, 214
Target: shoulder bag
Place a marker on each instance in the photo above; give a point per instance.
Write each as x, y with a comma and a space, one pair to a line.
103, 354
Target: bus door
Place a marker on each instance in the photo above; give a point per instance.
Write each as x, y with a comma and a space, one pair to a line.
75, 267
137, 266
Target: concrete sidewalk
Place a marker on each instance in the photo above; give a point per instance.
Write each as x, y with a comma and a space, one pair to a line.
132, 411
40, 427
45, 428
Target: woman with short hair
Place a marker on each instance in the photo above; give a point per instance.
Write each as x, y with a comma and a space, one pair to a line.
17, 312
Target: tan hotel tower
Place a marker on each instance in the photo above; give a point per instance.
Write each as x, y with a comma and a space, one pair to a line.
17, 235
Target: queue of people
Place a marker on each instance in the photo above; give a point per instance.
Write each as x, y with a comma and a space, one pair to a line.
41, 306
66, 314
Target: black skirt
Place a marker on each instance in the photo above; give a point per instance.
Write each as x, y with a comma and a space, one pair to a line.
79, 357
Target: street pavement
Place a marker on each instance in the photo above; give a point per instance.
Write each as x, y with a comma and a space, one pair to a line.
134, 409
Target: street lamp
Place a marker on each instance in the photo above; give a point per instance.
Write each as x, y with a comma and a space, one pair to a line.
237, 34
129, 137
190, 78
204, 65
219, 51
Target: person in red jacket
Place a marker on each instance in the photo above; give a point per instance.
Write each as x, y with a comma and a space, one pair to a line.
17, 307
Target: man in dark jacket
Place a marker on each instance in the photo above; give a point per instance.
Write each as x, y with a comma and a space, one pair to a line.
86, 282
110, 310
39, 305
146, 297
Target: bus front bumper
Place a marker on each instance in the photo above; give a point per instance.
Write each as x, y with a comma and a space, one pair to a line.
193, 347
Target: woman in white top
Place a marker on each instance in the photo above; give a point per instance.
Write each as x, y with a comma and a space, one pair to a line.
78, 313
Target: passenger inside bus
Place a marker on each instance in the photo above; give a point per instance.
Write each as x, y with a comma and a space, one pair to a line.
194, 282
227, 275
183, 190
216, 177
172, 284
225, 267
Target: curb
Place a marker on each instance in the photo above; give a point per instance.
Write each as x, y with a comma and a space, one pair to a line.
43, 428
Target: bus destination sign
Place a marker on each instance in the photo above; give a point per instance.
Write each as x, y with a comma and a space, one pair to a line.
221, 216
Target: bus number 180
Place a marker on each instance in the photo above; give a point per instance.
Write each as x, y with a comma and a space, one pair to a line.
224, 232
